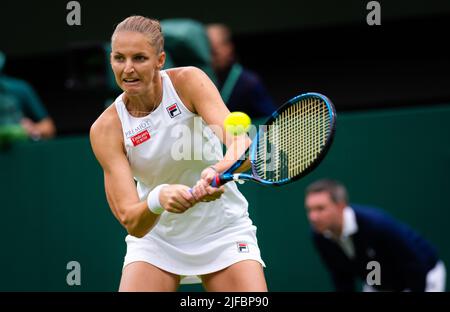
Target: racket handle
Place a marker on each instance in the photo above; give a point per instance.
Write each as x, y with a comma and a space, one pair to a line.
216, 182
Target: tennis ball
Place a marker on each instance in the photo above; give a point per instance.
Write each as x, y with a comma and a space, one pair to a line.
237, 123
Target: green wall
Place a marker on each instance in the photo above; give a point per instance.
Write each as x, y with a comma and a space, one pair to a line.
54, 209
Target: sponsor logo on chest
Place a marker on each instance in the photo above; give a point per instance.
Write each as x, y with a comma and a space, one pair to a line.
139, 134
141, 137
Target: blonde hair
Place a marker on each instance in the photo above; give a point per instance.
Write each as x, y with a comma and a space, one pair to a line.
151, 28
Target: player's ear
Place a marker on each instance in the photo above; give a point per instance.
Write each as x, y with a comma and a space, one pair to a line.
161, 59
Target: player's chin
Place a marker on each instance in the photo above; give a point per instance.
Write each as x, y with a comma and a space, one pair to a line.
132, 90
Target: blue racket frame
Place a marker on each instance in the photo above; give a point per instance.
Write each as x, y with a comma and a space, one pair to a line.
229, 174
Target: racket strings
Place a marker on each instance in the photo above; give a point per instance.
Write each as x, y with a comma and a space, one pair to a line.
293, 141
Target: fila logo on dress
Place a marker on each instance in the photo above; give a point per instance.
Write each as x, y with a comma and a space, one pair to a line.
173, 110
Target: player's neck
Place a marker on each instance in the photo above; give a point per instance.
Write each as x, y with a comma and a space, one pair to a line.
143, 104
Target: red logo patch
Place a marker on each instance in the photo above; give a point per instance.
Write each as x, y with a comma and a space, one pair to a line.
141, 137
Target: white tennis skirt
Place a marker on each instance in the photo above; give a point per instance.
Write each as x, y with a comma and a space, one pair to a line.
211, 253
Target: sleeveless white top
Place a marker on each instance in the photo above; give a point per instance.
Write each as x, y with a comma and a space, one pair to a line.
173, 145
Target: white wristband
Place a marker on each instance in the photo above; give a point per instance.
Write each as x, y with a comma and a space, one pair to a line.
153, 200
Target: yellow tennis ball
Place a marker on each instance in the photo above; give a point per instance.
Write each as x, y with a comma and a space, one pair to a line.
237, 123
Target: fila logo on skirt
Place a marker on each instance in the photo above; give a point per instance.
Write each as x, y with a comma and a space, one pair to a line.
242, 247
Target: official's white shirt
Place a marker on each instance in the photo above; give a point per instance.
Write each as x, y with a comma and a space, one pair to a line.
349, 227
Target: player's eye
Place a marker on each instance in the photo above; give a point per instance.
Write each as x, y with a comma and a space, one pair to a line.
140, 58
118, 58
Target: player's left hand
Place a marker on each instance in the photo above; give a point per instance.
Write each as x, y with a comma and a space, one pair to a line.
203, 191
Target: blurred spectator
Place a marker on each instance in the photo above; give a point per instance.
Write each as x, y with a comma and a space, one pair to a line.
241, 89
352, 239
22, 114
186, 44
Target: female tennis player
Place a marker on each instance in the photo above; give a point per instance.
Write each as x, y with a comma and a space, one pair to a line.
176, 234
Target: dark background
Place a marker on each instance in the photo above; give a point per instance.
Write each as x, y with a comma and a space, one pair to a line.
295, 46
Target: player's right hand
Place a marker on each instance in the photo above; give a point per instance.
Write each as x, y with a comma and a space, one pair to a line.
176, 198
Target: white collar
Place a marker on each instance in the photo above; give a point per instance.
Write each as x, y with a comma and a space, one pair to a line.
349, 225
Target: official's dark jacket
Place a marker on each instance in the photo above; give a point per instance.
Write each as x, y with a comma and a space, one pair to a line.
404, 256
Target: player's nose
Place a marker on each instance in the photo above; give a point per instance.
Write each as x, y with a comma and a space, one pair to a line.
129, 67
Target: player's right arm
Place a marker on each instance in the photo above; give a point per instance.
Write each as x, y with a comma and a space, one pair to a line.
107, 144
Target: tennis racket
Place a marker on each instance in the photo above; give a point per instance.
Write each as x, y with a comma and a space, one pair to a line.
291, 143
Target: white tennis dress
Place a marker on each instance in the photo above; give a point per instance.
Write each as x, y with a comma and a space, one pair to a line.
173, 145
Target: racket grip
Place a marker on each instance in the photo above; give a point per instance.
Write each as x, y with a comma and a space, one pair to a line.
216, 182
